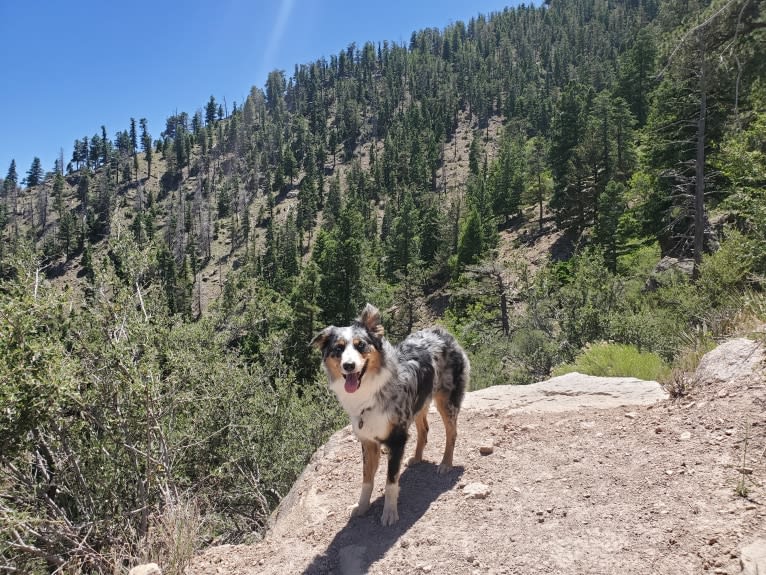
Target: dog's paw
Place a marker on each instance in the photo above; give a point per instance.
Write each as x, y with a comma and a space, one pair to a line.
444, 468
359, 510
390, 516
414, 460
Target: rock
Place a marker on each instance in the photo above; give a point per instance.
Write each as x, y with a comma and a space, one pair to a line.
732, 360
486, 450
631, 415
146, 569
476, 491
752, 558
685, 436
684, 265
565, 393
666, 268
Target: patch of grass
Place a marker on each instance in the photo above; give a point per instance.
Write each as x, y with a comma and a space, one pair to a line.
617, 360
175, 534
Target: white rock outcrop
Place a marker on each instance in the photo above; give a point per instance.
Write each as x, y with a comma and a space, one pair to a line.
146, 569
753, 558
567, 392
731, 361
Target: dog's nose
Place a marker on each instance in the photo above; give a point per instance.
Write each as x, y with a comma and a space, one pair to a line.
349, 366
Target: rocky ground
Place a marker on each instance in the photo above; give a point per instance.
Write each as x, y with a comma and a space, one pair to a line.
642, 485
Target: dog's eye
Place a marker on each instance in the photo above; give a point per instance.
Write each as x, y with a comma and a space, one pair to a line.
338, 349
361, 346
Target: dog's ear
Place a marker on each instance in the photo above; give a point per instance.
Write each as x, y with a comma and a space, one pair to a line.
320, 339
370, 318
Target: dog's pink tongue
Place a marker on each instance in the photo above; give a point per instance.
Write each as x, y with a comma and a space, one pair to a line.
352, 382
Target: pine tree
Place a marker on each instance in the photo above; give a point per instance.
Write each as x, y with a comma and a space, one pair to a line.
474, 155
58, 193
471, 242
210, 110
612, 204
537, 179
35, 173
289, 163
691, 105
339, 255
10, 193
105, 152
146, 146
568, 131
83, 190
68, 231
507, 178
304, 323
333, 204
95, 150
403, 242
636, 74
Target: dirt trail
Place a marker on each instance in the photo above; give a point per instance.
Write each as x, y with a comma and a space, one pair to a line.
634, 489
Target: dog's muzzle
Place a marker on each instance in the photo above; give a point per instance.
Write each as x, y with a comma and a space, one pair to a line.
354, 379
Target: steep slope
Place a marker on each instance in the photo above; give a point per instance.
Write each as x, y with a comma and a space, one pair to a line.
646, 488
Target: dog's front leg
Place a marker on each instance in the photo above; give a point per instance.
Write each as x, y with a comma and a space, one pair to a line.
370, 459
395, 443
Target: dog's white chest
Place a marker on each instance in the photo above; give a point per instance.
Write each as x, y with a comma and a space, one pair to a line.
371, 424
368, 419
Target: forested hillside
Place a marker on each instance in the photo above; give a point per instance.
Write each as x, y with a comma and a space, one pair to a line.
159, 287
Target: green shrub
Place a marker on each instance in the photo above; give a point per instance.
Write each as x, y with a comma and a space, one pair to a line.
617, 360
113, 417
726, 272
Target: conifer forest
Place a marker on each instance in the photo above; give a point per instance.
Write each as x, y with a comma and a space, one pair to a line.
542, 181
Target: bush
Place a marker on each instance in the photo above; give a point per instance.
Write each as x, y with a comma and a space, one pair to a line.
131, 426
617, 360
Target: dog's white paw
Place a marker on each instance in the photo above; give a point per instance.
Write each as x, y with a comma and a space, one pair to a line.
444, 468
414, 460
390, 516
359, 510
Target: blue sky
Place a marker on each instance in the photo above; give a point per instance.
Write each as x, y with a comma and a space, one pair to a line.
69, 67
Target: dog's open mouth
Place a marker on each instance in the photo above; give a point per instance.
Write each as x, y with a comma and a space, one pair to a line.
352, 382
354, 379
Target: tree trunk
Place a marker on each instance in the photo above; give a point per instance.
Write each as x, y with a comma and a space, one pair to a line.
502, 292
540, 198
699, 179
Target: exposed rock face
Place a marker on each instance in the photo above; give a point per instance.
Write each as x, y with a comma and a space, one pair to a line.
753, 558
666, 267
568, 392
731, 362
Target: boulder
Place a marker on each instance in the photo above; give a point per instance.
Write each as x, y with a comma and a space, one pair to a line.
752, 558
566, 393
146, 569
667, 267
734, 360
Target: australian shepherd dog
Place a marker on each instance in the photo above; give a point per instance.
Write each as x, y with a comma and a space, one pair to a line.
385, 388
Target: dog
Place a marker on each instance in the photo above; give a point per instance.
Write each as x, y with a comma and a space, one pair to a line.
385, 388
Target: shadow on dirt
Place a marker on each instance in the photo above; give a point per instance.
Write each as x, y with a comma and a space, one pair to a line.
363, 540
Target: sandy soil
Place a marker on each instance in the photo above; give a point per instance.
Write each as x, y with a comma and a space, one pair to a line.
637, 489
